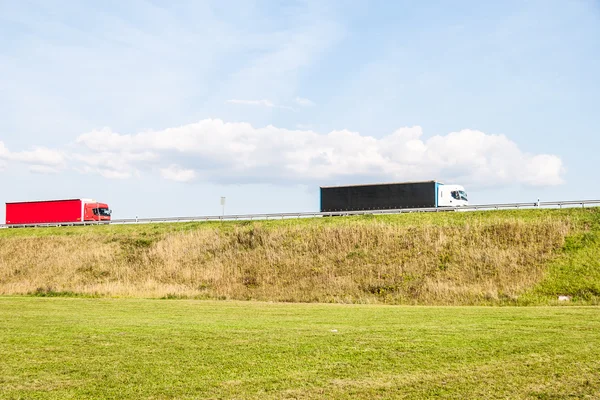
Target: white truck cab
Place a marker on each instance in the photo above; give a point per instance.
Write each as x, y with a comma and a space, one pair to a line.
451, 196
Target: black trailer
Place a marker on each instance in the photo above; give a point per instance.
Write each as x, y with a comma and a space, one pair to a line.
380, 196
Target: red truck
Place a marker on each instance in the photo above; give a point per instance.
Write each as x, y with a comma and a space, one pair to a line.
56, 212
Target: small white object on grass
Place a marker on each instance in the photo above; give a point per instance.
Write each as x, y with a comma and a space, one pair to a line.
334, 330
564, 298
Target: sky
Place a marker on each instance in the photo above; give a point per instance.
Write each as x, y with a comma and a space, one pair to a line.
159, 108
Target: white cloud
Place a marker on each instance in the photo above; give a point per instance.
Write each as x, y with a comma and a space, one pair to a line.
265, 103
304, 102
40, 155
107, 172
214, 150
114, 165
43, 169
542, 170
178, 174
262, 103
238, 152
40, 158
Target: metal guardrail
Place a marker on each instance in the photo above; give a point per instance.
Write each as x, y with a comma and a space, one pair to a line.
250, 217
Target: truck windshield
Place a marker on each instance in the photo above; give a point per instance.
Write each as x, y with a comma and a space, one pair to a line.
103, 212
463, 195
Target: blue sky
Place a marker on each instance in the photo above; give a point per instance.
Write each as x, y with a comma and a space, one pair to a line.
159, 108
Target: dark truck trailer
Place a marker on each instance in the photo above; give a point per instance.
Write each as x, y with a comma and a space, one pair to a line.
389, 196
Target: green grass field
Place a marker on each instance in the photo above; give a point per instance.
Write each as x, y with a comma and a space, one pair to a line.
74, 348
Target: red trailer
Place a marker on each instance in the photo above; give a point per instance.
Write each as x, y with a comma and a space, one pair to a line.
56, 212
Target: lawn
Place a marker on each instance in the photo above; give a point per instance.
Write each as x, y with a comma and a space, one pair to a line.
61, 348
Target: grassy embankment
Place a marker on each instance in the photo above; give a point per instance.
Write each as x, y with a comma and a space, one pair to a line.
65, 348
504, 257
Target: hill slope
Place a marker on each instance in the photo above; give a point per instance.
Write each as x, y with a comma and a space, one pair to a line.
503, 257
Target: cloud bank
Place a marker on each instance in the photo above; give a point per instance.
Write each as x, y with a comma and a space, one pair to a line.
215, 151
222, 152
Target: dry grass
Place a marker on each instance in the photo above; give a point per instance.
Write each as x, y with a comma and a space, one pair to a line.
483, 260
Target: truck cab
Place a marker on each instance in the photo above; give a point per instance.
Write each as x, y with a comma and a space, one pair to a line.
94, 211
452, 196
